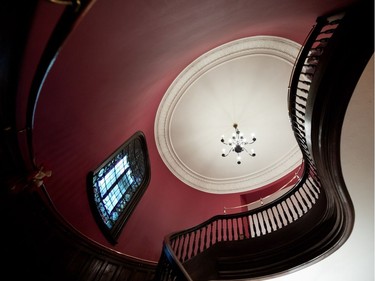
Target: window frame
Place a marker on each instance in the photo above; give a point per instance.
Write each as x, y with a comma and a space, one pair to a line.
112, 233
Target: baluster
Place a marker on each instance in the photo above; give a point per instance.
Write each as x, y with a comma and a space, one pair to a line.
211, 234
301, 201
186, 247
191, 245
241, 235
277, 217
233, 229
282, 215
287, 211
173, 244
307, 83
300, 128
314, 184
272, 219
180, 246
312, 188
267, 221
218, 230
218, 225
196, 242
300, 108
204, 232
299, 118
239, 228
203, 239
291, 208
303, 90
261, 223
252, 231
296, 205
304, 196
308, 193
303, 93
223, 223
229, 230
208, 235
304, 99
300, 112
256, 224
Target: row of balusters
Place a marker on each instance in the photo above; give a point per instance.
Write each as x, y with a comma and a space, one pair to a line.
228, 228
298, 96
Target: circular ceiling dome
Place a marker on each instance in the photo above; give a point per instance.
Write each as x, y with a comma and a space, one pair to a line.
244, 82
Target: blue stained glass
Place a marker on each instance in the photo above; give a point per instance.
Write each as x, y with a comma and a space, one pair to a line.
113, 185
117, 181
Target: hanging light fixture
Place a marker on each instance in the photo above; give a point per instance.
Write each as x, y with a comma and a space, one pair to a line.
237, 144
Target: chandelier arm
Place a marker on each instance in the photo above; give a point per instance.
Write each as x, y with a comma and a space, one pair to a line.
251, 154
250, 142
230, 150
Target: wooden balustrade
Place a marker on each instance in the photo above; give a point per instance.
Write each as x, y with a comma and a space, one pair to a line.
214, 239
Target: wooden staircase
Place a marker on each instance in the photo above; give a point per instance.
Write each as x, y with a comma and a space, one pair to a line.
306, 224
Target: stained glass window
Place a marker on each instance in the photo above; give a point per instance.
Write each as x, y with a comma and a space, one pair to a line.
117, 185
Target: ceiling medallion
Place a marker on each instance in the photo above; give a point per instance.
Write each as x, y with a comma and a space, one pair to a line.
197, 108
237, 143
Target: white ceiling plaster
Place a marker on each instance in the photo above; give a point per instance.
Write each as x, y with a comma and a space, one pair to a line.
246, 82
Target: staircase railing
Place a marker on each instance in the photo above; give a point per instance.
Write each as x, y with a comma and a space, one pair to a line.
182, 246
321, 189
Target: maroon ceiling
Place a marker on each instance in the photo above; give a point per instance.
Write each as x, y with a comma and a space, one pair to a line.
106, 84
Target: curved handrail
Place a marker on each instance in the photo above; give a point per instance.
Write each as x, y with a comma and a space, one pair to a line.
73, 12
322, 183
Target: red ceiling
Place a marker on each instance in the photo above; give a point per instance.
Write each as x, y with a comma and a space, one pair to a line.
107, 82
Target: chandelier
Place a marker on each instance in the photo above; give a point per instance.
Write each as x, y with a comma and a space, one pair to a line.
237, 144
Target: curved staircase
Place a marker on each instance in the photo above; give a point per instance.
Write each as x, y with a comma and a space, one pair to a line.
306, 224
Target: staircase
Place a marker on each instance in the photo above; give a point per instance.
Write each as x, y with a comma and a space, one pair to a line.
303, 226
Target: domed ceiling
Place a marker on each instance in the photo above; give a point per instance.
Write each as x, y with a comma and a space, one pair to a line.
243, 82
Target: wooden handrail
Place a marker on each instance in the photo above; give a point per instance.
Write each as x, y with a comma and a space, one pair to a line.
73, 12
